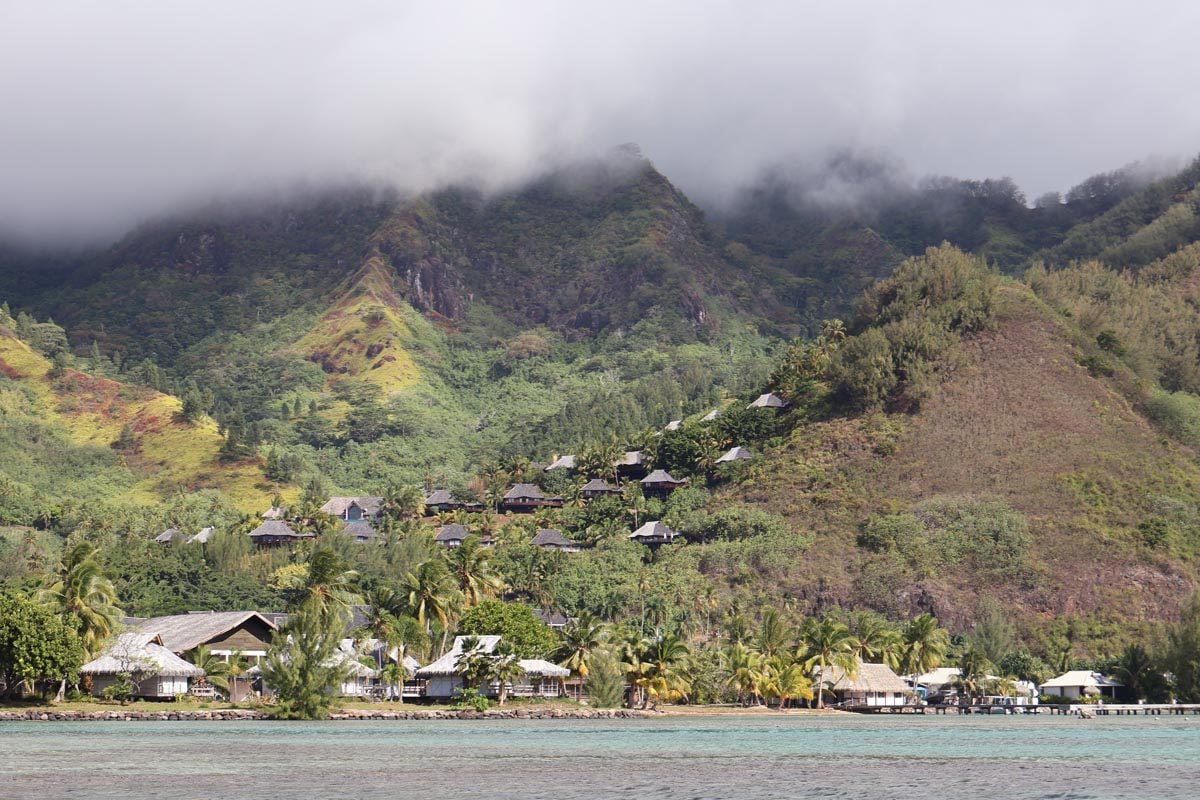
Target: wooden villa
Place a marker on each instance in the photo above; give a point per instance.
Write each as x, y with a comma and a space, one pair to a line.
274, 512
654, 533
168, 536
360, 531
552, 539
222, 632
453, 535
525, 497
155, 671
561, 462
352, 509
659, 483
631, 465
1078, 683
598, 487
274, 532
439, 501
443, 679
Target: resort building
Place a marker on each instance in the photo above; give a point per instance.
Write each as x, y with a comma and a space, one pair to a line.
654, 533
597, 487
1078, 683
735, 454
443, 679
452, 535
769, 400
561, 462
352, 509
631, 465
871, 686
525, 497
274, 532
222, 632
660, 484
155, 672
552, 539
360, 531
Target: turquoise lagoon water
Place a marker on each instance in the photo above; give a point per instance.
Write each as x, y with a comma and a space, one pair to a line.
746, 758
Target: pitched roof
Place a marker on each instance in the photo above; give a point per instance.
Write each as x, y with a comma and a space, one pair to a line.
735, 454
274, 512
659, 476
710, 416
768, 400
654, 530
942, 676
599, 485
182, 632
451, 533
551, 618
168, 536
562, 462
673, 425
140, 652
446, 664
274, 527
549, 537
338, 506
360, 529
525, 490
1081, 677
536, 666
440, 497
632, 458
868, 678
202, 536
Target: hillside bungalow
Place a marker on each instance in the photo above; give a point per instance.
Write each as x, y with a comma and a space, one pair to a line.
352, 509
712, 415
551, 539
360, 531
540, 678
631, 465
654, 533
201, 537
525, 497
660, 484
597, 487
156, 672
673, 425
453, 535
274, 532
872, 686
274, 512
223, 632
735, 454
555, 620
561, 462
439, 501
168, 536
769, 401
1081, 682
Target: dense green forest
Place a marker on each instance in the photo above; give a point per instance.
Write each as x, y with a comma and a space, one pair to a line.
999, 430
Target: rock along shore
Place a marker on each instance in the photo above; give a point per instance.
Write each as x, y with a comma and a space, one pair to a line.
234, 715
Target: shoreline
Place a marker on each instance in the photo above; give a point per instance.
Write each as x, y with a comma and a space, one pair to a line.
43, 714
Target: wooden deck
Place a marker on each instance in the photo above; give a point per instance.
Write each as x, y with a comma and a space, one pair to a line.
1075, 709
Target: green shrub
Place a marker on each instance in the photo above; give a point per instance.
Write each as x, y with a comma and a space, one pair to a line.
1177, 413
470, 700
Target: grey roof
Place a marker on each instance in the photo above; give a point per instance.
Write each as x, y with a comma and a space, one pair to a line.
360, 529
525, 490
552, 618
562, 462
674, 425
735, 454
710, 416
632, 458
654, 530
168, 536
1081, 678
549, 537
768, 401
451, 533
182, 632
659, 476
446, 665
202, 536
339, 505
599, 485
140, 652
274, 512
440, 497
274, 527
536, 666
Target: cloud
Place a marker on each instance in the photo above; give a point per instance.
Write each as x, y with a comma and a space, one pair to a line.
118, 111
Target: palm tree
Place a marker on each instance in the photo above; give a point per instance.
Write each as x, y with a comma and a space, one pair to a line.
1142, 676
404, 502
504, 666
431, 594
599, 459
745, 670
660, 675
579, 639
84, 598
471, 567
472, 662
792, 683
216, 668
876, 641
328, 587
925, 645
773, 634
827, 643
973, 667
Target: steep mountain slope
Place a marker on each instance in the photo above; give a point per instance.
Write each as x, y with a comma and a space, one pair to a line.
1022, 476
61, 426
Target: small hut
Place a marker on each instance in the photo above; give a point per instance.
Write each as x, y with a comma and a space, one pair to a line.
360, 531
561, 462
274, 532
154, 671
451, 535
659, 483
631, 465
735, 454
597, 487
440, 501
769, 400
525, 497
201, 537
551, 539
1080, 682
872, 686
654, 533
352, 509
168, 536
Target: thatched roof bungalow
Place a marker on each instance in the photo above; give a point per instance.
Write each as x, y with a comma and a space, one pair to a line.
769, 400
223, 632
561, 462
155, 671
360, 531
352, 509
871, 686
542, 678
660, 483
552, 539
654, 533
735, 454
274, 532
524, 497
597, 487
631, 465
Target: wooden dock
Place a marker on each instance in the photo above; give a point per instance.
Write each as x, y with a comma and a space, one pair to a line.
1074, 709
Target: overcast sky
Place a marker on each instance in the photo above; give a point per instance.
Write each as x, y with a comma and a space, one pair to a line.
111, 112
